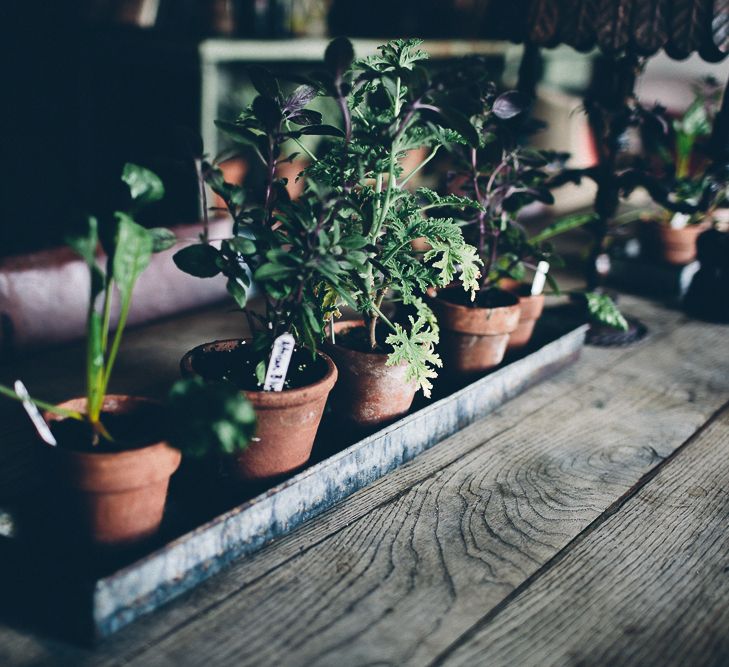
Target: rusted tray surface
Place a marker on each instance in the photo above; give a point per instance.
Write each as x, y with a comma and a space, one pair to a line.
207, 528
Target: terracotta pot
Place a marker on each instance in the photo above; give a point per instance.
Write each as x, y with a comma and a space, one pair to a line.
531, 308
234, 171
290, 171
474, 339
120, 496
369, 392
678, 246
287, 421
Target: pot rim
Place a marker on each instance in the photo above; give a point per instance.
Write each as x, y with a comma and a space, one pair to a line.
433, 294
353, 324
74, 403
263, 399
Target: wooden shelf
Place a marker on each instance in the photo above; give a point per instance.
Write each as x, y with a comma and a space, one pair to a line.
312, 49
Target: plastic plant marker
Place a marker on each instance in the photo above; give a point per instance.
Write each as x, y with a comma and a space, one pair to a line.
539, 278
40, 424
283, 348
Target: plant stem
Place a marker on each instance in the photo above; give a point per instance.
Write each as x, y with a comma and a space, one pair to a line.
49, 407
204, 199
111, 359
419, 167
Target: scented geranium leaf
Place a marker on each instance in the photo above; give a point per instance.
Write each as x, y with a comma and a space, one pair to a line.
455, 120
162, 238
133, 250
415, 348
433, 200
144, 185
208, 418
200, 260
603, 309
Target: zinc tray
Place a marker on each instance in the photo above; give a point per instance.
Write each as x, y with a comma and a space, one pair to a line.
208, 525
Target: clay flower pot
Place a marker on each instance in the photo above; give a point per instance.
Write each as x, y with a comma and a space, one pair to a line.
678, 246
531, 308
473, 339
369, 392
287, 421
119, 495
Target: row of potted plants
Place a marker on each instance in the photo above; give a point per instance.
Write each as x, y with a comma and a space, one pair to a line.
424, 272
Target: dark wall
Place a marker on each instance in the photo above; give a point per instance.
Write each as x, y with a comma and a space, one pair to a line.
79, 101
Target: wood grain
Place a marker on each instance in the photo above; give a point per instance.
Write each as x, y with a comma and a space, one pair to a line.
402, 581
649, 586
403, 568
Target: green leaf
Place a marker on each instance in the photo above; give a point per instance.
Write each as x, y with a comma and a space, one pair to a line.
238, 290
455, 120
415, 348
85, 246
271, 271
339, 55
561, 226
209, 418
198, 260
268, 112
321, 130
144, 185
238, 132
162, 238
603, 309
242, 245
132, 253
264, 82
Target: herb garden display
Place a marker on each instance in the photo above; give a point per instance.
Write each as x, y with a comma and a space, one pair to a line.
439, 288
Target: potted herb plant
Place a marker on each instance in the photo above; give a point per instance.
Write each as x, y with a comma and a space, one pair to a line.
692, 181
497, 178
292, 249
391, 109
111, 454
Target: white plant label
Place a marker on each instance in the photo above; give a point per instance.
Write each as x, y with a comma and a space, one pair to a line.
40, 424
283, 348
539, 278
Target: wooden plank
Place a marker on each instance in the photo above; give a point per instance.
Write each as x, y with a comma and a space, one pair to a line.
648, 586
284, 554
401, 582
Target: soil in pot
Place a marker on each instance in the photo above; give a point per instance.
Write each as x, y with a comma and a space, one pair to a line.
368, 392
287, 420
531, 308
117, 490
474, 334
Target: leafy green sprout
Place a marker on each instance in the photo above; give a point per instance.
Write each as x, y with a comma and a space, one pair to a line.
226, 425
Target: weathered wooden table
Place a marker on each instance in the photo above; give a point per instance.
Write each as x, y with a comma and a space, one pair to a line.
585, 522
